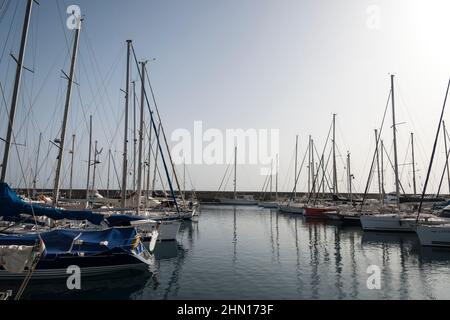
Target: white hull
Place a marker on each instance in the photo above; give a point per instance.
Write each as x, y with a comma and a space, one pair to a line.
291, 209
168, 230
436, 236
388, 222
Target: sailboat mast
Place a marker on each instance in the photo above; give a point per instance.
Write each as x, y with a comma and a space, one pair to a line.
295, 166
235, 166
89, 161
382, 170
276, 178
95, 166
156, 160
66, 113
148, 164
349, 174
378, 164
107, 179
72, 153
309, 165
335, 188
15, 96
37, 163
312, 167
446, 155
414, 161
134, 134
397, 190
141, 137
125, 139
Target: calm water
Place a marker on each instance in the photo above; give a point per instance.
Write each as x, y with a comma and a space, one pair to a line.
253, 253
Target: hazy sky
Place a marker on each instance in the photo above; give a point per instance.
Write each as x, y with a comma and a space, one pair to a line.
261, 64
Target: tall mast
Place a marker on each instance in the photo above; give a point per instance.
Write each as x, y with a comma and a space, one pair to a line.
89, 161
446, 155
15, 96
134, 135
95, 166
36, 165
349, 174
66, 113
414, 162
378, 165
323, 177
235, 166
335, 187
125, 139
382, 170
148, 163
276, 178
109, 166
397, 190
184, 177
72, 152
141, 137
313, 175
271, 175
309, 165
156, 159
295, 166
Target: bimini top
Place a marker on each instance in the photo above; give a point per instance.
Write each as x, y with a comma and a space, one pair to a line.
12, 206
61, 242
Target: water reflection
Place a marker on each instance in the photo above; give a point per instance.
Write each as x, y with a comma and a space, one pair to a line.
280, 256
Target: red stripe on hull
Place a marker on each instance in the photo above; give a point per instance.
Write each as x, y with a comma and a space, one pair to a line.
317, 212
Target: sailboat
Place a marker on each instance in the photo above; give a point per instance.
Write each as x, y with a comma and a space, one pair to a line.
291, 206
242, 200
324, 209
269, 203
398, 218
32, 253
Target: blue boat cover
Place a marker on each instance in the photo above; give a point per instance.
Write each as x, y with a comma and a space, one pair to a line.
11, 205
74, 242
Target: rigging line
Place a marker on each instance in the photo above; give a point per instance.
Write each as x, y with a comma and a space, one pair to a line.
9, 31
443, 173
323, 152
159, 144
322, 181
432, 154
3, 9
377, 143
392, 166
328, 179
404, 161
287, 178
162, 129
223, 178
291, 198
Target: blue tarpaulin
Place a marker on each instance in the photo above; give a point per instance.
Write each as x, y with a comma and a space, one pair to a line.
71, 241
11, 206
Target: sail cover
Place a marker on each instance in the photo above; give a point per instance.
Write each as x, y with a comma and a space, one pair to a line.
75, 242
12, 206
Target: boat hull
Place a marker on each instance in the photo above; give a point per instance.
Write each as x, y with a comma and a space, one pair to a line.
388, 223
313, 212
291, 209
434, 236
268, 204
89, 266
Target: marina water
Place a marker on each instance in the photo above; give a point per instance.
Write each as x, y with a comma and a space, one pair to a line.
253, 253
